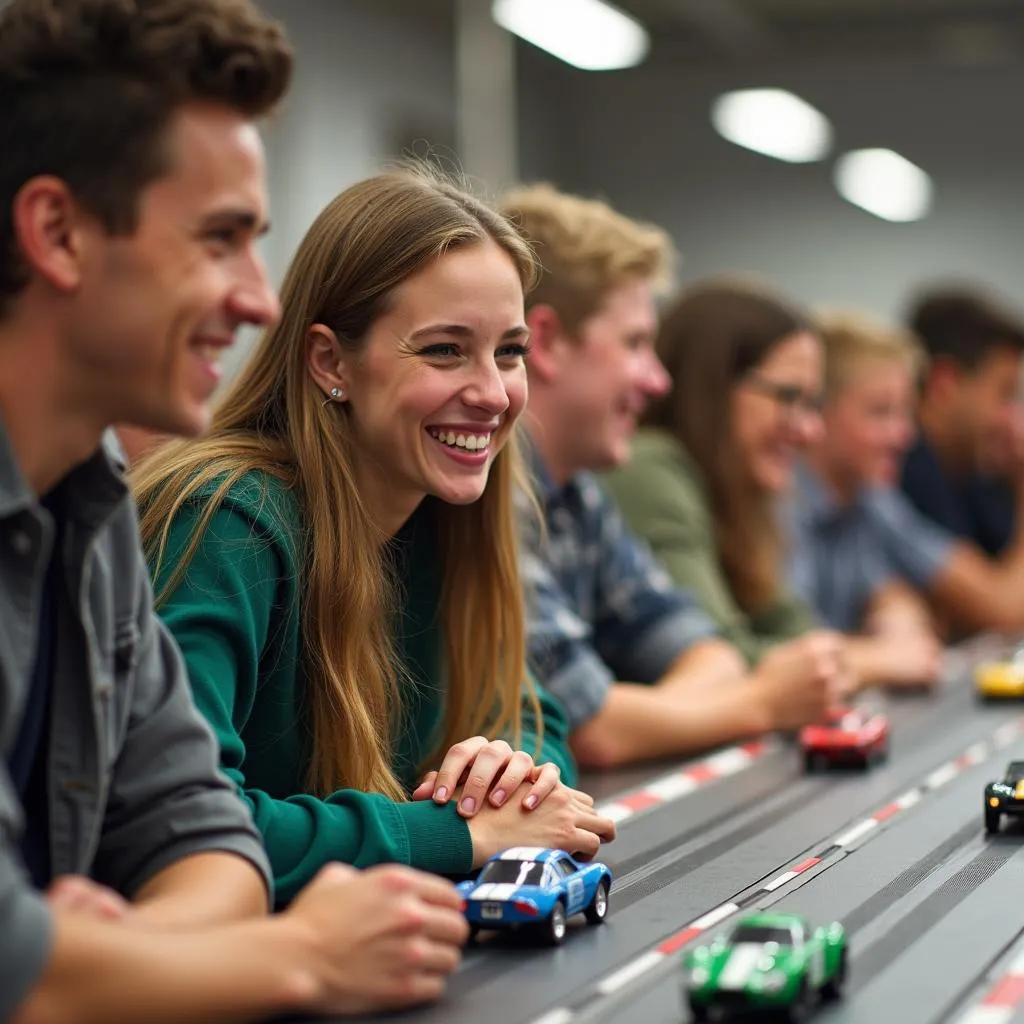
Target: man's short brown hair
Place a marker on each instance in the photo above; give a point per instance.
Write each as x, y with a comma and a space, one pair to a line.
89, 87
585, 249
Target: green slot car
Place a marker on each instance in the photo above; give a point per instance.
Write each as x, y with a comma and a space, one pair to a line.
770, 963
1005, 796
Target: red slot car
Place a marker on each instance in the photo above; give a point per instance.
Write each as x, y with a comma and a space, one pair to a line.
849, 736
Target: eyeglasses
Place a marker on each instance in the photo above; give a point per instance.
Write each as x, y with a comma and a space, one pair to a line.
791, 397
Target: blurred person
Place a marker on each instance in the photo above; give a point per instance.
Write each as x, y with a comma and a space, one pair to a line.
637, 663
133, 885
337, 556
965, 471
716, 454
855, 532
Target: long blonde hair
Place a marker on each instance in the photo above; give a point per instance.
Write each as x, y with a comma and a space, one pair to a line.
274, 419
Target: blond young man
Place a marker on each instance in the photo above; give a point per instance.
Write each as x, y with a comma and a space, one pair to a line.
634, 660
862, 553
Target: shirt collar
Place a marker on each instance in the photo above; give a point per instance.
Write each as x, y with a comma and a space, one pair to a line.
93, 488
817, 503
548, 489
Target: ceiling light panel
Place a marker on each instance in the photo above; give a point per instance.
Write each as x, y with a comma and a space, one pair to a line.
588, 34
773, 122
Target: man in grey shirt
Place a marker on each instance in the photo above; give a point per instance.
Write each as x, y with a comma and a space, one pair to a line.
133, 885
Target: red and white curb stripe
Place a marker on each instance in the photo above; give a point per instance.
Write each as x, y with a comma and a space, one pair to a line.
685, 781
1003, 999
830, 854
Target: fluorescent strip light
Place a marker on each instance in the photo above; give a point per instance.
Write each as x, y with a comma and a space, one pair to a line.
885, 184
773, 122
589, 34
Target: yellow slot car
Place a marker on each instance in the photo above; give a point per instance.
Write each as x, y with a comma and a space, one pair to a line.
1000, 679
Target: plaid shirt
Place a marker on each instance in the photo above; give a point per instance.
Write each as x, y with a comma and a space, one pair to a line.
600, 607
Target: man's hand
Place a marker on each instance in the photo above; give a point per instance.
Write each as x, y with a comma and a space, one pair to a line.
799, 680
76, 894
380, 939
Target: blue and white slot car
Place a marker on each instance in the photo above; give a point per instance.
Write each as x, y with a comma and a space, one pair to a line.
536, 888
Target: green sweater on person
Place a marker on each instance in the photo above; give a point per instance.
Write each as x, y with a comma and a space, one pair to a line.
664, 500
235, 615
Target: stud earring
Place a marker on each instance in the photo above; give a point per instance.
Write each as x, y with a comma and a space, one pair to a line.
336, 395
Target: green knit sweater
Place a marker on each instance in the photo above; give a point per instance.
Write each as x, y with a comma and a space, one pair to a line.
235, 615
662, 496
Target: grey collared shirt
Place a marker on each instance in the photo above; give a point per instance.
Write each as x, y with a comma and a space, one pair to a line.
841, 556
134, 784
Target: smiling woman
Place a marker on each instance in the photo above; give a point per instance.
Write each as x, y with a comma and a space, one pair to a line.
718, 449
337, 558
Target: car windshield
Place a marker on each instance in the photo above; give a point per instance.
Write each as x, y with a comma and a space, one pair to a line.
1015, 772
514, 872
762, 933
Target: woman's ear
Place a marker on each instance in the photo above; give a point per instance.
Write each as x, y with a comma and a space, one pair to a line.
326, 362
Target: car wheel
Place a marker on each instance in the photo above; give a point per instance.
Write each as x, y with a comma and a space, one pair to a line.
554, 928
833, 988
474, 931
597, 909
699, 1013
815, 762
993, 819
800, 1008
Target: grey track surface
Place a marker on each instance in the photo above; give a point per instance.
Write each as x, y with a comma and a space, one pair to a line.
932, 906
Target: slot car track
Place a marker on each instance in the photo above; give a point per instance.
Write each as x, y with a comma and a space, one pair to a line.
933, 907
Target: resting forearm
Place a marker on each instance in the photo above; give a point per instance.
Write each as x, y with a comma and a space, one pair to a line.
707, 666
204, 889
640, 723
100, 971
870, 659
980, 594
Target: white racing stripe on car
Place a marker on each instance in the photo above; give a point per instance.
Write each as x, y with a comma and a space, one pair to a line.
522, 853
496, 891
742, 962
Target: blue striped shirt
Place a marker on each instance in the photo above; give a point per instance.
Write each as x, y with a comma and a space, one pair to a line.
841, 556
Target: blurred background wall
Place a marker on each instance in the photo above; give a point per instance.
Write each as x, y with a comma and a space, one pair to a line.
939, 81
